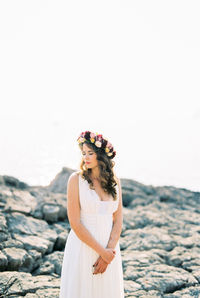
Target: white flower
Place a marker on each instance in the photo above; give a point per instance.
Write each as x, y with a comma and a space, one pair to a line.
81, 140
98, 144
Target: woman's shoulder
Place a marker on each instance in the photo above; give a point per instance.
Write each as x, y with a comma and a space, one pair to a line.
75, 174
73, 177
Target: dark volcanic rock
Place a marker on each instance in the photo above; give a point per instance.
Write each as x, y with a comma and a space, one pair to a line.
160, 239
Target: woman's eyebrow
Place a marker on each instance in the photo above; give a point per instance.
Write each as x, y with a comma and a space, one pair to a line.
88, 151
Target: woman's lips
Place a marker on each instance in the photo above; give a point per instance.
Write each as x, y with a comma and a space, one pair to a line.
87, 162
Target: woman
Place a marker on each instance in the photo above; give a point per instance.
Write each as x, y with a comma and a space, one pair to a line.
92, 264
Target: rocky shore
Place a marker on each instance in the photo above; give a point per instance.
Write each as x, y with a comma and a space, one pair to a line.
160, 240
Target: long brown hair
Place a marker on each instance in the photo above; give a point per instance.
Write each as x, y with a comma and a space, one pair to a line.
107, 176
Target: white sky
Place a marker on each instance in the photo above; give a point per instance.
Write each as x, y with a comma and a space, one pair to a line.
127, 69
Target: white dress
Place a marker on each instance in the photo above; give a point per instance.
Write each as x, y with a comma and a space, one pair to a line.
77, 278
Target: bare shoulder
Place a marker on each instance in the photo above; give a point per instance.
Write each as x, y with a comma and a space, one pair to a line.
73, 178
74, 174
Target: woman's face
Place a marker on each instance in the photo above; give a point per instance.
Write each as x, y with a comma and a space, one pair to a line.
89, 157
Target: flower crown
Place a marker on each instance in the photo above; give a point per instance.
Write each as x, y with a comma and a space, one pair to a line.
99, 141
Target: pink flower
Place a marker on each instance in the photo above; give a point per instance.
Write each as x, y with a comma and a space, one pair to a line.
92, 135
109, 145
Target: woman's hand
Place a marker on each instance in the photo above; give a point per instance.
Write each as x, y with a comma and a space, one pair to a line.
108, 254
100, 266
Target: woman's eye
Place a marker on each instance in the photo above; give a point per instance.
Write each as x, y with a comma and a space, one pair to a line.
89, 154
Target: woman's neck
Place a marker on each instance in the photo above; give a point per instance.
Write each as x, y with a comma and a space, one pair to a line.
95, 173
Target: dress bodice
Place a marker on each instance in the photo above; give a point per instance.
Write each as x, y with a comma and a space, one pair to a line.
90, 201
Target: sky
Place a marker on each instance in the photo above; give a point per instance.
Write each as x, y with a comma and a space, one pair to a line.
129, 70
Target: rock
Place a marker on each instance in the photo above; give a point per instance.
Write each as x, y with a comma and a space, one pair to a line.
11, 243
18, 259
5, 193
12, 206
37, 258
31, 296
3, 225
20, 224
140, 218
3, 236
165, 279
149, 238
14, 182
52, 264
182, 257
135, 193
3, 228
59, 184
132, 286
196, 274
35, 243
61, 241
3, 261
1, 180
62, 203
185, 293
48, 293
61, 226
51, 213
62, 229
20, 283
21, 201
45, 268
56, 259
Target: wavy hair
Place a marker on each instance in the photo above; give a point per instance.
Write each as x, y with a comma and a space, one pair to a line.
105, 164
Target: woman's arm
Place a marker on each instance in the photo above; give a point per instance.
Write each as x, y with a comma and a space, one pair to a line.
117, 221
73, 212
